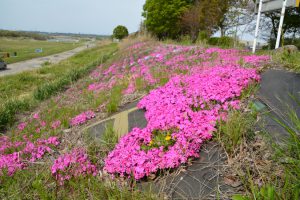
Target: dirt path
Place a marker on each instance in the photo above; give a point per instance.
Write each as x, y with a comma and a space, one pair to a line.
18, 67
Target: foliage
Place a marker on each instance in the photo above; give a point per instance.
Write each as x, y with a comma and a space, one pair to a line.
36, 36
221, 41
32, 185
286, 59
290, 26
237, 13
237, 128
286, 41
203, 15
162, 17
160, 138
288, 157
120, 32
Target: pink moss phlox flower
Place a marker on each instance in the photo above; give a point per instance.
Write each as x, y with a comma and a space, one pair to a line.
56, 124
130, 89
15, 155
255, 59
36, 116
73, 164
193, 104
22, 126
82, 118
43, 123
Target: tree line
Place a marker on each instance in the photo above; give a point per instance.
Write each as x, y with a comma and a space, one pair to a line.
175, 18
36, 36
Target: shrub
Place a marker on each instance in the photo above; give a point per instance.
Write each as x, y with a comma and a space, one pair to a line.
221, 41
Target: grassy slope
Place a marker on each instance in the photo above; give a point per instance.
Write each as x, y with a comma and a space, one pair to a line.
19, 92
240, 123
37, 182
25, 48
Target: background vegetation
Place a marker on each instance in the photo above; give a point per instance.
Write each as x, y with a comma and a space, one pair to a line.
25, 48
120, 32
15, 34
22, 91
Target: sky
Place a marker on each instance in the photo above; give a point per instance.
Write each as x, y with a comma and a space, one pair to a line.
71, 16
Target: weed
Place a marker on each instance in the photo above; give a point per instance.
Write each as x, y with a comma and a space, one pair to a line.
46, 63
9, 108
31, 185
235, 129
115, 98
288, 157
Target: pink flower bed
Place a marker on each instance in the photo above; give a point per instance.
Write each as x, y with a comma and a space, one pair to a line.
82, 118
190, 103
72, 165
186, 109
15, 155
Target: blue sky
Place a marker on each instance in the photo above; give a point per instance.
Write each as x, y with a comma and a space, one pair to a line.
75, 16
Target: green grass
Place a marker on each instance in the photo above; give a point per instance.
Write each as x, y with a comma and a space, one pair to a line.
238, 127
22, 91
289, 60
287, 156
285, 59
115, 98
32, 185
25, 48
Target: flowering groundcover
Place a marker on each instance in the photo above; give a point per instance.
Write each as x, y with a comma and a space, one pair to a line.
190, 106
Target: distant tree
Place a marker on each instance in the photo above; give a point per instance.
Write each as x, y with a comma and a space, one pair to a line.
270, 23
291, 23
237, 13
162, 17
120, 32
203, 16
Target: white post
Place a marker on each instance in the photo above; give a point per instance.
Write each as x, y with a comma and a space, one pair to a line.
257, 26
280, 24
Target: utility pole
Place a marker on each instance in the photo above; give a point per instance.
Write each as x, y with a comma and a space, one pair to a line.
280, 24
257, 26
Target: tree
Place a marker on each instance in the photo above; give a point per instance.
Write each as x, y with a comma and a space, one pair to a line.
162, 17
291, 23
270, 23
237, 13
204, 16
120, 32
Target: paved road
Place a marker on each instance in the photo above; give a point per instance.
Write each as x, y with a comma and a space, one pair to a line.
18, 67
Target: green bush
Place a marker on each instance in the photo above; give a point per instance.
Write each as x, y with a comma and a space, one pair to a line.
224, 42
203, 36
286, 41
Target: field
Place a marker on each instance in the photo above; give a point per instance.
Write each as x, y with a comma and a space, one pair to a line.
21, 87
25, 48
191, 95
